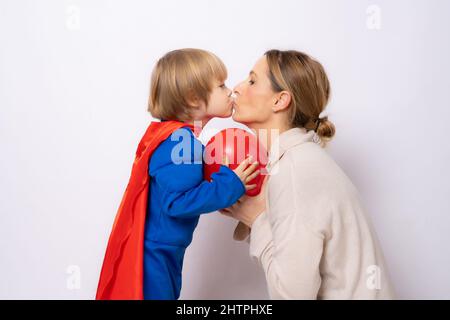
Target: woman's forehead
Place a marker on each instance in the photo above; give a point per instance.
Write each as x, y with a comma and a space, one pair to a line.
260, 66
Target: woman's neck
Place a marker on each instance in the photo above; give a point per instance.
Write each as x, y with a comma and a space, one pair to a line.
267, 132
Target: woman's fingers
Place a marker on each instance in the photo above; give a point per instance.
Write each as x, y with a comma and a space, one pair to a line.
241, 199
231, 208
235, 206
225, 213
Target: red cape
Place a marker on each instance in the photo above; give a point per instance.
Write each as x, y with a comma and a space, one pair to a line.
122, 271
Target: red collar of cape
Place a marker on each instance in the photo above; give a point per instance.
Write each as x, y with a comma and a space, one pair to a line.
121, 276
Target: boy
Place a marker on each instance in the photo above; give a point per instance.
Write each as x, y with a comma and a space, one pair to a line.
167, 193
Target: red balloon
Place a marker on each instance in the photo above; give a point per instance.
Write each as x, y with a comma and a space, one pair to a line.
237, 144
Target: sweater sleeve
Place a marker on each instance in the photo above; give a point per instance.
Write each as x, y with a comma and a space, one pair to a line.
185, 192
288, 251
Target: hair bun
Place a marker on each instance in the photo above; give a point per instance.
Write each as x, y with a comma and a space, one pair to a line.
325, 128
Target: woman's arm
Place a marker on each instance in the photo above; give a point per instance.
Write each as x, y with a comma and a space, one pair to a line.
281, 240
289, 253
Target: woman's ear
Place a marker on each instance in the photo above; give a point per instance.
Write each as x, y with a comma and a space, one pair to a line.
282, 101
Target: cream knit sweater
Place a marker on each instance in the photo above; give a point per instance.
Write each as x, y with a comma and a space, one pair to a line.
314, 240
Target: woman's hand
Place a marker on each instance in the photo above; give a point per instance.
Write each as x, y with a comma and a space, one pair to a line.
247, 209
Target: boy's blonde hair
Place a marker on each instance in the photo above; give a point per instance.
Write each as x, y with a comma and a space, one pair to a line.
181, 76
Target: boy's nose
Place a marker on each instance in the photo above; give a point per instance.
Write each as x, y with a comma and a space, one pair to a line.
236, 90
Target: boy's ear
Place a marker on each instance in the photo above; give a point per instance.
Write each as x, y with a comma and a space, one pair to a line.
282, 101
193, 100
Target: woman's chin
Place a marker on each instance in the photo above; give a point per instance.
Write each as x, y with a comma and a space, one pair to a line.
239, 118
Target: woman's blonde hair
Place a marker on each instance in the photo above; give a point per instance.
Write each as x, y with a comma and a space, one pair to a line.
180, 76
305, 79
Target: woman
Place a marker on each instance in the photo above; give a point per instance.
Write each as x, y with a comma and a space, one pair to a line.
308, 227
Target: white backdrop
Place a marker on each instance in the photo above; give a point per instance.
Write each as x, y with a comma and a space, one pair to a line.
74, 81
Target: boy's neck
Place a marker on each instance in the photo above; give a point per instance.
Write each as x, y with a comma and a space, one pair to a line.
198, 124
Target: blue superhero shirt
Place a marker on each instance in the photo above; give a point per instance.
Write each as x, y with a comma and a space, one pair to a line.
178, 195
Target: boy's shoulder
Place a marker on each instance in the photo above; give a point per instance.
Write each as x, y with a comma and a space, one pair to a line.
182, 139
180, 147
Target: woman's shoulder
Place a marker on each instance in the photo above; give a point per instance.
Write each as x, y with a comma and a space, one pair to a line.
310, 184
310, 155
308, 164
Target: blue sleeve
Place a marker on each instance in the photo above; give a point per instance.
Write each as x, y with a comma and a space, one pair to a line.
177, 168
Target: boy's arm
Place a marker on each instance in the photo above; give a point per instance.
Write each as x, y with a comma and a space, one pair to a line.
223, 191
185, 192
